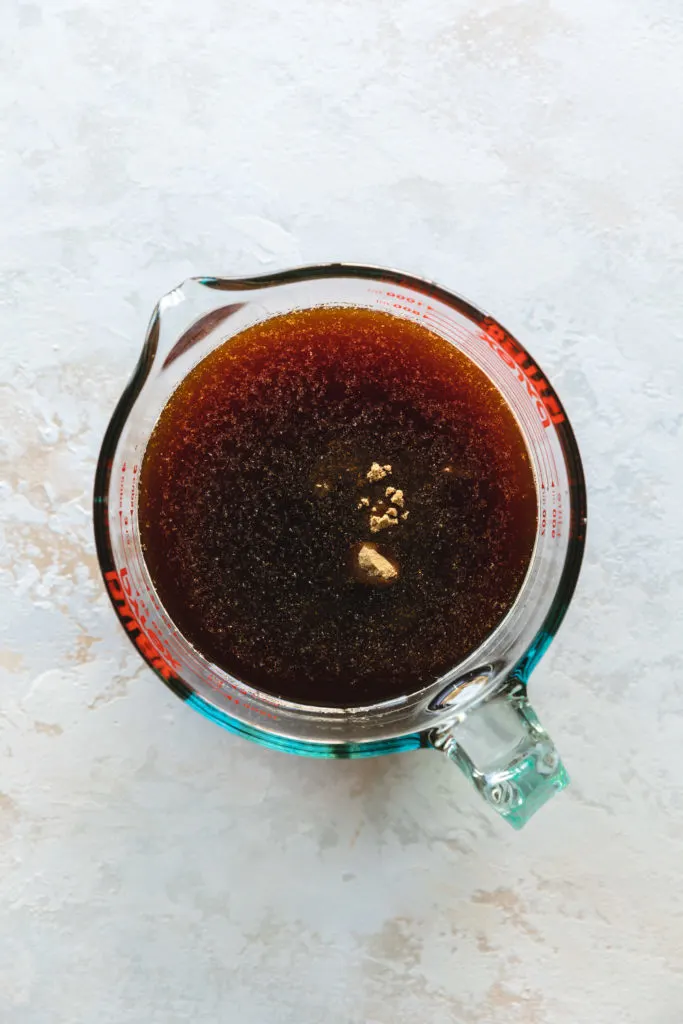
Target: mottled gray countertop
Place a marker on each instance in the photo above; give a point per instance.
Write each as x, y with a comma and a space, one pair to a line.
155, 870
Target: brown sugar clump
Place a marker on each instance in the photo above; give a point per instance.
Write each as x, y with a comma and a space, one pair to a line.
378, 523
377, 472
371, 566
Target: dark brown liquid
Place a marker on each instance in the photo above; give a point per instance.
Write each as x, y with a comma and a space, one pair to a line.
253, 514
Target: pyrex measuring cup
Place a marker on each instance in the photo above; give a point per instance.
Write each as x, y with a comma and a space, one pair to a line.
478, 713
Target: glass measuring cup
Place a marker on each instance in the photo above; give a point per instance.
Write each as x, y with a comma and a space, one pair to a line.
478, 713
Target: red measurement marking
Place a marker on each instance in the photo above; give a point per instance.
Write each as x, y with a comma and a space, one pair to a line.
404, 298
153, 647
218, 685
505, 346
407, 303
533, 422
551, 519
148, 642
407, 309
532, 415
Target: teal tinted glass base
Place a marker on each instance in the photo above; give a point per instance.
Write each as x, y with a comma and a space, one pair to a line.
343, 751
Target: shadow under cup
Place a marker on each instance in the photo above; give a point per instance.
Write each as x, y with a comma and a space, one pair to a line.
478, 713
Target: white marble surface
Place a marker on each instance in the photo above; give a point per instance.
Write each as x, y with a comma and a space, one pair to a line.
154, 870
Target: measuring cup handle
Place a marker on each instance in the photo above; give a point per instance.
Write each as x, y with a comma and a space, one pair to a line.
503, 748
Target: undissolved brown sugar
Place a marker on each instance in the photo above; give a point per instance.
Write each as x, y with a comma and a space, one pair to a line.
336, 506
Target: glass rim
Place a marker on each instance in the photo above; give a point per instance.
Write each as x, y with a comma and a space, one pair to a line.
564, 432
